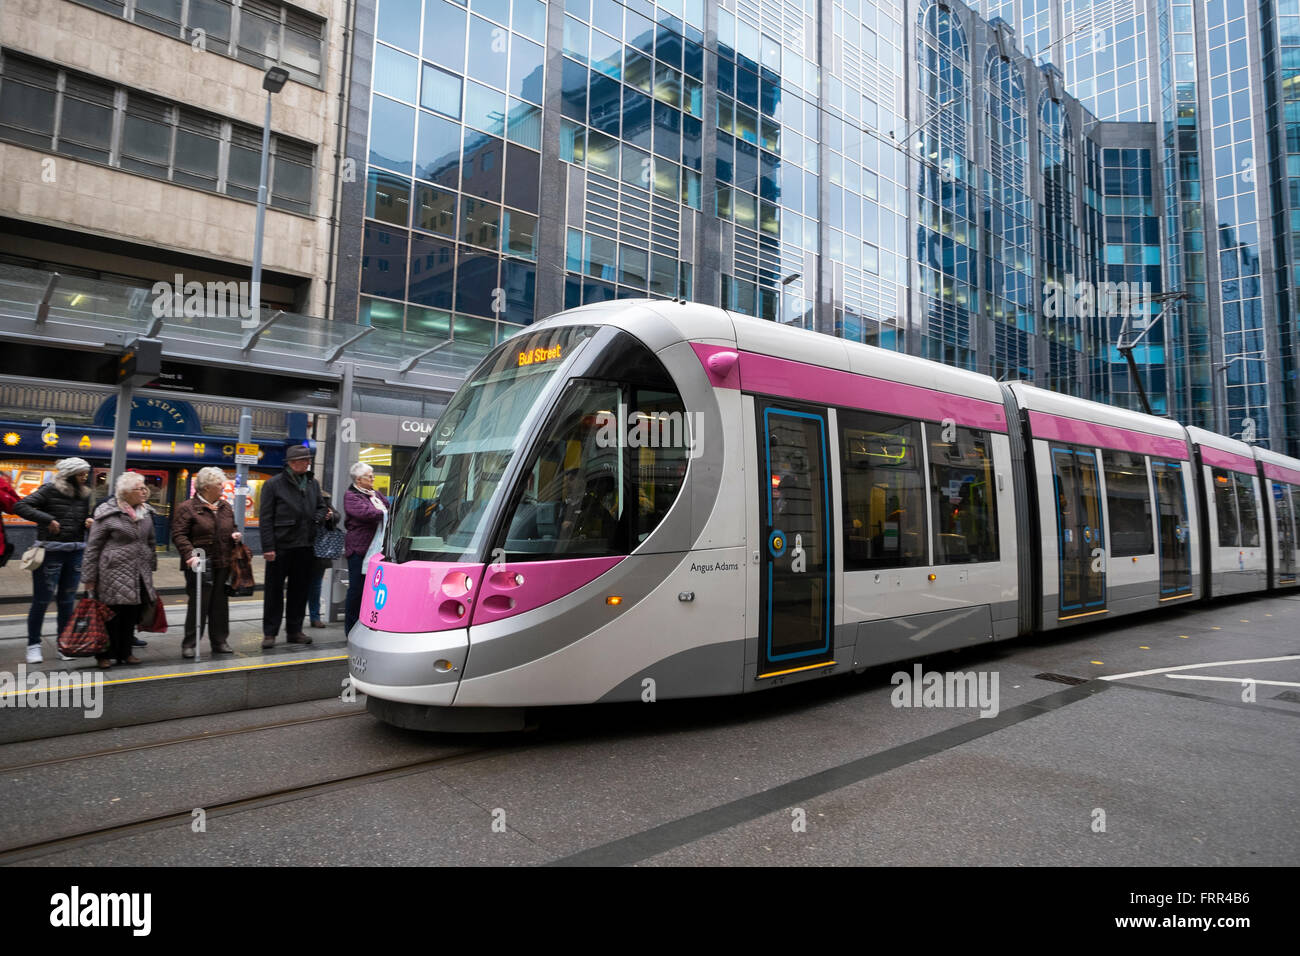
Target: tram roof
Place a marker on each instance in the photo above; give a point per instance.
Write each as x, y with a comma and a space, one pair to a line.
1276, 458
1033, 398
1209, 439
660, 323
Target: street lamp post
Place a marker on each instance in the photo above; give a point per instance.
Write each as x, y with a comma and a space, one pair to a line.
273, 82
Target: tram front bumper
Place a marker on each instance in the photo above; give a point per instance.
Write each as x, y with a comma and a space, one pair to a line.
420, 668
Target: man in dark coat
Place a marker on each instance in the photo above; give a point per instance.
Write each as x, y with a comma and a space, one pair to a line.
289, 514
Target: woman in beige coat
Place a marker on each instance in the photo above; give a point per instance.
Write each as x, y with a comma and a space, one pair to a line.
119, 564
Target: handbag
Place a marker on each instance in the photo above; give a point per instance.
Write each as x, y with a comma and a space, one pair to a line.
33, 557
330, 543
153, 620
240, 581
85, 635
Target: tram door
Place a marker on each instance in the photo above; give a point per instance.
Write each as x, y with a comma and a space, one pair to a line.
1175, 539
1285, 534
797, 546
1079, 531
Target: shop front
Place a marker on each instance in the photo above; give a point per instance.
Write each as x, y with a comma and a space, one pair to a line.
388, 443
166, 445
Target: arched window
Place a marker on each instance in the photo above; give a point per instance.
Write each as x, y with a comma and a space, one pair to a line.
943, 122
1007, 121
946, 233
1056, 162
1012, 298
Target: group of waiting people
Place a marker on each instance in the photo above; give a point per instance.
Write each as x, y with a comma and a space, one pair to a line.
111, 552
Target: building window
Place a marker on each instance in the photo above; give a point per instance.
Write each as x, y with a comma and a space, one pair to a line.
261, 33
142, 134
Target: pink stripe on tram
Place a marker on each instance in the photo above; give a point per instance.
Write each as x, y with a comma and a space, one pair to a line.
783, 378
1217, 458
1281, 473
732, 377
1058, 428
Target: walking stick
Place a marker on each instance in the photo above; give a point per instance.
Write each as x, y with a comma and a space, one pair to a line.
198, 601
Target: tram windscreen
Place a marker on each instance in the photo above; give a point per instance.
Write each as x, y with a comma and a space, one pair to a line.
439, 515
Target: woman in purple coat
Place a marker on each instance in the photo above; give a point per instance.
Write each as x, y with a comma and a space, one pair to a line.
365, 510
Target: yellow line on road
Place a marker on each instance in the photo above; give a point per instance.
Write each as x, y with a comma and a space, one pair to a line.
149, 677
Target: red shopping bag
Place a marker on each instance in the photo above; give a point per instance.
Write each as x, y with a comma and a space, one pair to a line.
159, 623
85, 635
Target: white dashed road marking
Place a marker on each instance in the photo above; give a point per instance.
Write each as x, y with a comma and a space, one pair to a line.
1235, 680
1190, 667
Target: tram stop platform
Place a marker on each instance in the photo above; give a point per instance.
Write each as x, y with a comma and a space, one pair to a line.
75, 696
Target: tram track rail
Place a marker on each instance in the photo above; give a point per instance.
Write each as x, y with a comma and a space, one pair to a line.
174, 741
184, 817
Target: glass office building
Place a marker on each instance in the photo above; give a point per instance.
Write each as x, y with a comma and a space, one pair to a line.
1220, 79
895, 172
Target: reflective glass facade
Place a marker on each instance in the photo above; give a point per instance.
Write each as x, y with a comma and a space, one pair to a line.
893, 172
1100, 45
1237, 216
947, 215
1219, 79
633, 119
452, 167
1280, 36
1133, 254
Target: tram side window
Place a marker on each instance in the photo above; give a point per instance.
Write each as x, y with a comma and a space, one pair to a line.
1128, 502
1248, 509
660, 443
1225, 507
884, 492
963, 493
1295, 511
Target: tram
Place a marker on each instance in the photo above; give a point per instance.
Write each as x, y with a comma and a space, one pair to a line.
652, 499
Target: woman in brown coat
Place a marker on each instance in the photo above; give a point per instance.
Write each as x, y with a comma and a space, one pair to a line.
119, 563
206, 521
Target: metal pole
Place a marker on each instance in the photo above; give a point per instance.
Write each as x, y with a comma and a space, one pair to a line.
241, 471
121, 431
198, 600
255, 292
343, 458
1220, 386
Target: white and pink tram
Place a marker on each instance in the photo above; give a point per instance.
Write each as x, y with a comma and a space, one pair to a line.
655, 497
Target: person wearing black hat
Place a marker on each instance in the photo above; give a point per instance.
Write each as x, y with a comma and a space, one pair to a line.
290, 511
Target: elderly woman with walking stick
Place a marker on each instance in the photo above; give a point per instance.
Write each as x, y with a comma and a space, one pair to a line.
206, 522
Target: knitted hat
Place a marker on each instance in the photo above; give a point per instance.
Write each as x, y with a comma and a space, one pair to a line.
67, 467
